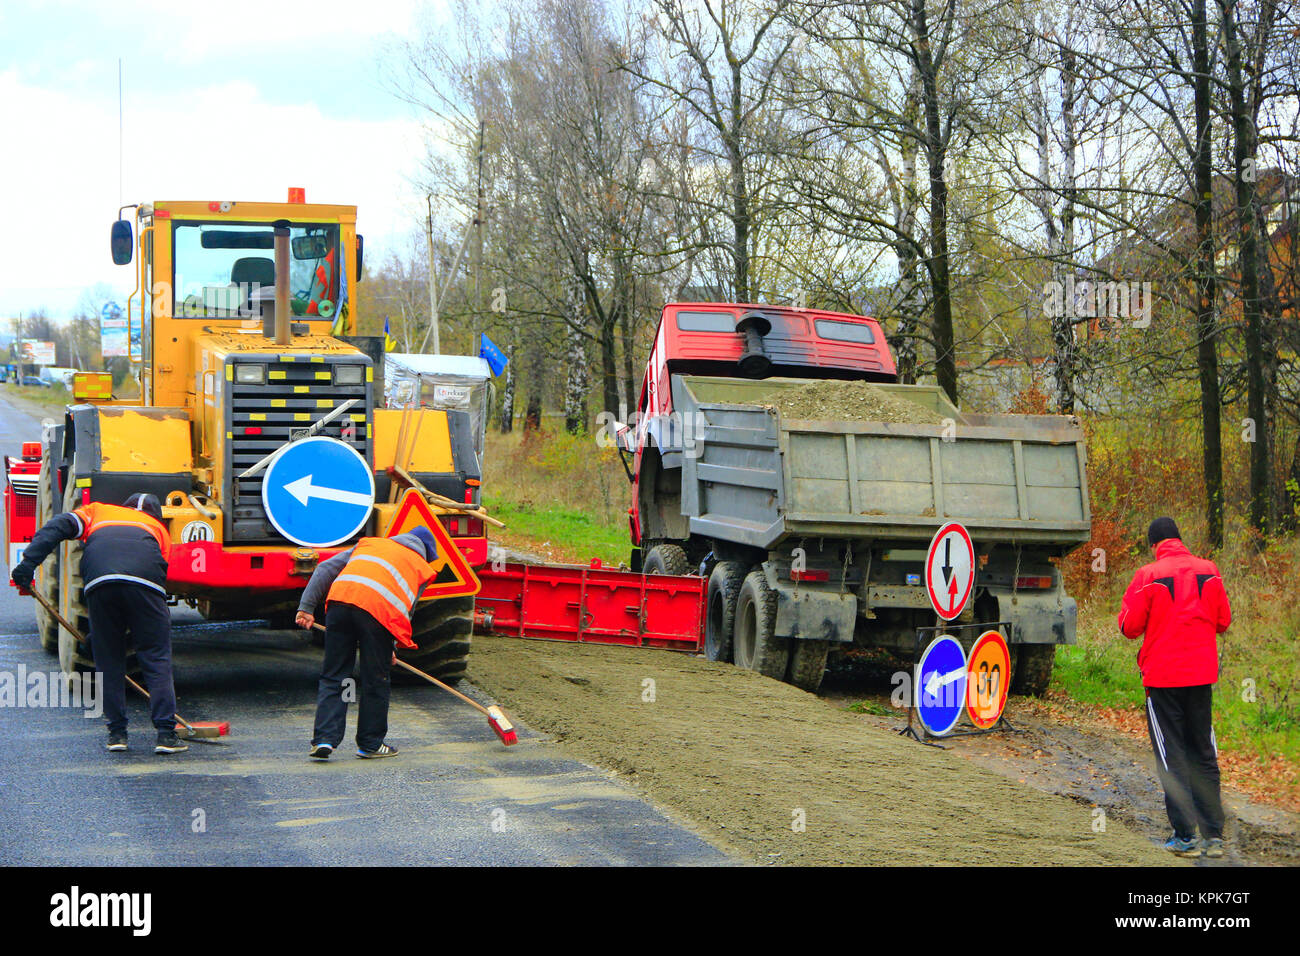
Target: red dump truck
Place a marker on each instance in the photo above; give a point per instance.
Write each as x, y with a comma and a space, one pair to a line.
812, 533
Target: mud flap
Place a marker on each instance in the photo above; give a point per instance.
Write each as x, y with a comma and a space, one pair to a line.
1039, 617
812, 612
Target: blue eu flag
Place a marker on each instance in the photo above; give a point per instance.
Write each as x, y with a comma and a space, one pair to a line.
488, 350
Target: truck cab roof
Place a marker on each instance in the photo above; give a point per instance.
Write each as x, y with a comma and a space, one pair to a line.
705, 338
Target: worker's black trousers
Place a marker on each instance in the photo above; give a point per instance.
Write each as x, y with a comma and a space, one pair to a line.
347, 630
1187, 758
120, 614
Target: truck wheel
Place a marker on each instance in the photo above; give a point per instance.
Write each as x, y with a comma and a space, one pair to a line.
720, 624
442, 629
47, 574
666, 559
808, 664
1033, 670
756, 647
72, 604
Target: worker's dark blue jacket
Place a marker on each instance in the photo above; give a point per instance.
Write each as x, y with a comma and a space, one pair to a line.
122, 545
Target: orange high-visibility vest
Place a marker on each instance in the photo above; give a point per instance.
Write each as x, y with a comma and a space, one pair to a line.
97, 515
383, 578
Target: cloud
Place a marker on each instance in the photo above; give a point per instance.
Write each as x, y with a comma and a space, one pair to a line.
223, 140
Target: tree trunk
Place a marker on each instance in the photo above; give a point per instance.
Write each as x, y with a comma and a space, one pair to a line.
1207, 356
578, 380
739, 189
945, 356
1244, 171
508, 394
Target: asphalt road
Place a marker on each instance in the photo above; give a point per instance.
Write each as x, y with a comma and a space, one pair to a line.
453, 795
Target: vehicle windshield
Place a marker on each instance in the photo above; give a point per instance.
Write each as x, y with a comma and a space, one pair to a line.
225, 270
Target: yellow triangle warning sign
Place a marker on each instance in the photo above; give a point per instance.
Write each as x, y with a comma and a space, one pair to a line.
454, 577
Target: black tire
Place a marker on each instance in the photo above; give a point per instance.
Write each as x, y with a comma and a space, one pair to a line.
808, 664
47, 574
756, 648
442, 630
73, 655
1033, 669
720, 618
666, 559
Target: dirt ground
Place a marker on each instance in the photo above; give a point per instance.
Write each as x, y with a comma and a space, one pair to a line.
776, 775
1058, 747
850, 402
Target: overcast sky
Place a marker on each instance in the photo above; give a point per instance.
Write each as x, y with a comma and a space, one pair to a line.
204, 83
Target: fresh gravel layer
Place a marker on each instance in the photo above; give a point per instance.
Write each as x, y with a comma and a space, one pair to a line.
841, 401
739, 757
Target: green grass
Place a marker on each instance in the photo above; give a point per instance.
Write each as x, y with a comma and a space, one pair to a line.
1098, 671
1257, 660
55, 396
572, 536
873, 707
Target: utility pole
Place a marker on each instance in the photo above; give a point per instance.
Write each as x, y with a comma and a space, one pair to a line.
433, 278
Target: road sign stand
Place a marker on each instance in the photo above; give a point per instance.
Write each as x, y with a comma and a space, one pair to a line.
923, 636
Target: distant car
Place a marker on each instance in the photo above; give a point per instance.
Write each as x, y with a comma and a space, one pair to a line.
33, 380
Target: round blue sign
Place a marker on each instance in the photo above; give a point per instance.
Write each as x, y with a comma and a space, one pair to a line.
318, 491
110, 310
940, 690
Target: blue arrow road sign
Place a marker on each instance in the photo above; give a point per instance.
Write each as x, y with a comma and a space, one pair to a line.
941, 685
318, 491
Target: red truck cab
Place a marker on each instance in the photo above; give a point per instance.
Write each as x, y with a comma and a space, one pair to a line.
21, 478
749, 341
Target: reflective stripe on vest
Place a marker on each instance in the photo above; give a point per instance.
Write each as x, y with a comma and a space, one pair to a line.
96, 516
383, 578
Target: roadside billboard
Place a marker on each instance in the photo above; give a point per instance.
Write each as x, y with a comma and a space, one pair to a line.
37, 353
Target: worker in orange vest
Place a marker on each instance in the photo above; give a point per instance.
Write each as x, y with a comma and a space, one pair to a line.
124, 567
370, 591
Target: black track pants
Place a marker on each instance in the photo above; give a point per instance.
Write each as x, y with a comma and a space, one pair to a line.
347, 629
1187, 758
122, 613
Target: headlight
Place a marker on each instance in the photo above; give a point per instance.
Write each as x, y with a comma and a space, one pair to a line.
250, 374
348, 374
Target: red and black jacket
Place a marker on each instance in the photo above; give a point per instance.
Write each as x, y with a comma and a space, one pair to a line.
1178, 605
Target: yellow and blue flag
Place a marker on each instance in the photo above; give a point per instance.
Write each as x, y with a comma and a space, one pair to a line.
390, 343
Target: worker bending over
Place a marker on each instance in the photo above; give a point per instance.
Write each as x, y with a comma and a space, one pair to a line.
370, 591
124, 567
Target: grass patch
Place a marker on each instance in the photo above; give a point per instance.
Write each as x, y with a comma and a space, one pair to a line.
873, 707
54, 396
561, 496
571, 537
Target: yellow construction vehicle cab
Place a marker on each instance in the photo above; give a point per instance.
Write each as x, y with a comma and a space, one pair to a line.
235, 365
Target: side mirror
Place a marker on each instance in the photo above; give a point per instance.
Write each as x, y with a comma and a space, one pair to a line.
361, 244
122, 242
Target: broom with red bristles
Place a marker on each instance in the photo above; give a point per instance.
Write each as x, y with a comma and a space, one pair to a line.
496, 718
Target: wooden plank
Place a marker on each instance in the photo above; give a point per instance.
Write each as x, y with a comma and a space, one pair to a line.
855, 493
936, 475
1022, 496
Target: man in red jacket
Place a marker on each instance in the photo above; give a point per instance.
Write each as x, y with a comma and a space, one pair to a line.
1179, 603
